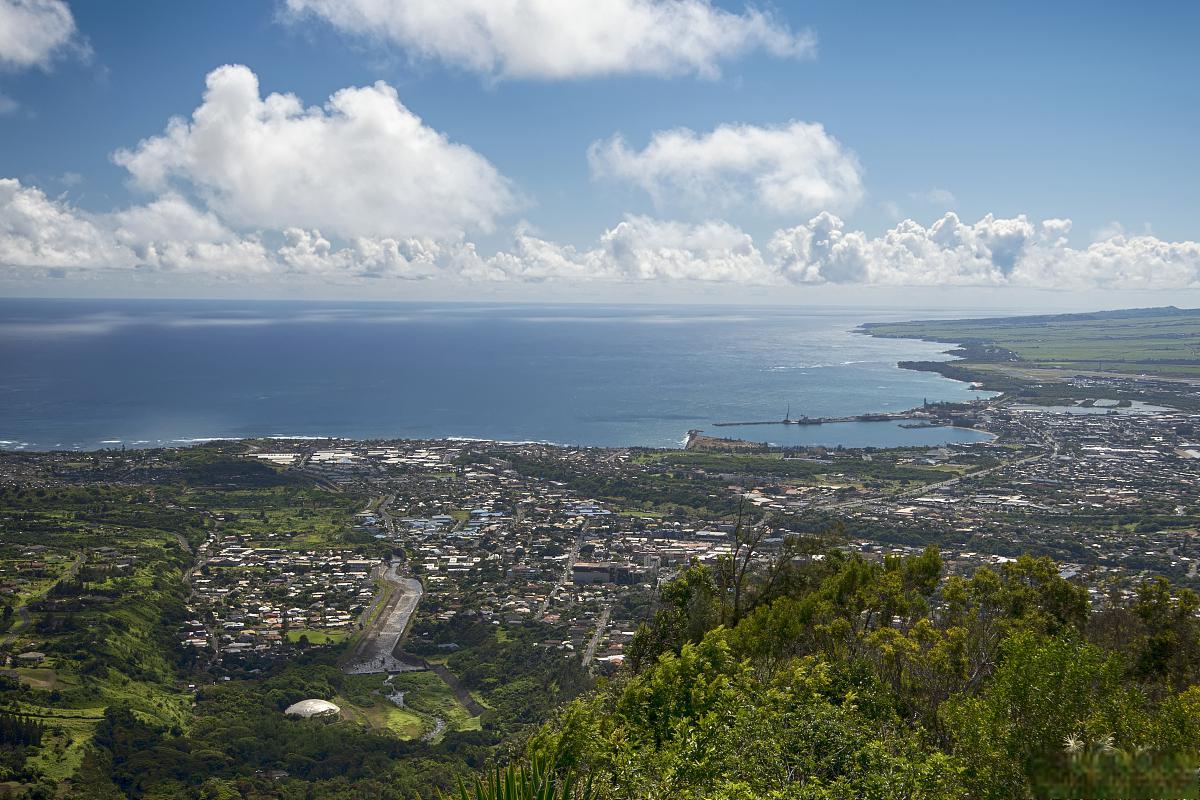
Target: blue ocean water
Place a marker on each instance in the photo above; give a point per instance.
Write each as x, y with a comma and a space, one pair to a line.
91, 374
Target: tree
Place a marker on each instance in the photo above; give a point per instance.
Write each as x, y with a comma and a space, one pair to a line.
1168, 648
1045, 691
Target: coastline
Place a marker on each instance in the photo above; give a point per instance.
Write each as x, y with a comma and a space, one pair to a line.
579, 380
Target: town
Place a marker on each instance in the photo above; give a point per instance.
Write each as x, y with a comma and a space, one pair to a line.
501, 532
437, 576
581, 539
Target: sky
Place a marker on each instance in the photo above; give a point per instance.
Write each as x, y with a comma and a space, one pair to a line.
1017, 153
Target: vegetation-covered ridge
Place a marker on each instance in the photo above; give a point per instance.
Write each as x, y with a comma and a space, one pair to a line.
853, 679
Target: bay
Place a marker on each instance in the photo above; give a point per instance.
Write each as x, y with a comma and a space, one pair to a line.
86, 374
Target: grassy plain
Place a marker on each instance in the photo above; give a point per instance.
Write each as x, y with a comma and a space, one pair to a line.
318, 636
1163, 342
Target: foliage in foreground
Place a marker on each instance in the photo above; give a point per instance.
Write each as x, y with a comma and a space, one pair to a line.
539, 781
863, 680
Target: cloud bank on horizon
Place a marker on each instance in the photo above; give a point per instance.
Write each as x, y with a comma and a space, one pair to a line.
254, 187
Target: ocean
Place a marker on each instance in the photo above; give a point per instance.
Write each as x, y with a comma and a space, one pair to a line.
88, 374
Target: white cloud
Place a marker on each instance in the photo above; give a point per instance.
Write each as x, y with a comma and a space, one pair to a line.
41, 233
308, 252
170, 217
641, 248
8, 105
169, 234
558, 39
364, 165
991, 252
33, 32
796, 168
37, 231
636, 249
947, 252
1120, 262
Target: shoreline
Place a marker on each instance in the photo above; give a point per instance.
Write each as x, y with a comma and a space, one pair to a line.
336, 441
26, 444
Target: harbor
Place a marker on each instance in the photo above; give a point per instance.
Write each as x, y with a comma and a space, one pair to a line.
804, 420
926, 425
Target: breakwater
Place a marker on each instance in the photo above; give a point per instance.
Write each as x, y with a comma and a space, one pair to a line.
821, 420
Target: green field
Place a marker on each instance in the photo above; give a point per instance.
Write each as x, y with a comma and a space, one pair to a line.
286, 517
1162, 341
428, 695
427, 699
318, 636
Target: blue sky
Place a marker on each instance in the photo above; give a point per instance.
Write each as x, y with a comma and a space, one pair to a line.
1086, 111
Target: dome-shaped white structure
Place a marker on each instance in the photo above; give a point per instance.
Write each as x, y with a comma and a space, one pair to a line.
311, 708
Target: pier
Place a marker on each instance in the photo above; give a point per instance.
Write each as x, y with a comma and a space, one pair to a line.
822, 420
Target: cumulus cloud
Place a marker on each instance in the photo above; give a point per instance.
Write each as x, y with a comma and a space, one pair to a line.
42, 233
991, 252
39, 233
636, 249
364, 165
561, 39
641, 248
308, 252
790, 169
947, 252
172, 234
33, 32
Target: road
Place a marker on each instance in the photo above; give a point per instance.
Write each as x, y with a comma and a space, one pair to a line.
601, 625
214, 635
375, 651
565, 580
385, 502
